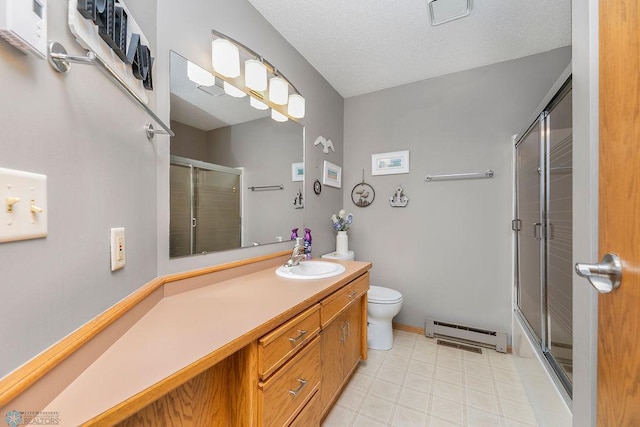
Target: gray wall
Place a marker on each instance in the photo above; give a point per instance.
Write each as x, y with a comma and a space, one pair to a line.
449, 252
186, 29
265, 149
189, 142
87, 136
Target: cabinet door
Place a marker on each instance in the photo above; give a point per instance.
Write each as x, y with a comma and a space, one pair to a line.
333, 337
353, 332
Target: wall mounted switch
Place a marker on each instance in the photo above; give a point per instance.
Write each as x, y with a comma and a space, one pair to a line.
23, 205
117, 248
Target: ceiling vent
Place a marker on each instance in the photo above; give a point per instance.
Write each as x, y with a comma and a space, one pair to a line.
442, 11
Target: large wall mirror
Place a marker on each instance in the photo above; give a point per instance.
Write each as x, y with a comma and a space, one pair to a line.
236, 177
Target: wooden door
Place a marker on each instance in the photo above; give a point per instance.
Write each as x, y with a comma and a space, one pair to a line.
619, 212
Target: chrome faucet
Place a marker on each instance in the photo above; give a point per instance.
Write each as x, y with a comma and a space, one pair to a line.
297, 254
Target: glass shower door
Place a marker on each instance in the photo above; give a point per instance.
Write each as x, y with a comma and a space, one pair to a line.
205, 207
181, 214
529, 297
544, 212
217, 209
559, 243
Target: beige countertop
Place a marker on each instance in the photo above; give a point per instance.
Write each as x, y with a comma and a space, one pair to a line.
181, 329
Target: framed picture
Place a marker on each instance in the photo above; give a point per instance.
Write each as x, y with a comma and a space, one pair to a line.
332, 175
297, 171
391, 163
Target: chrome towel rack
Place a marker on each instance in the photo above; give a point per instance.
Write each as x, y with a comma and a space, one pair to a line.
466, 175
266, 187
60, 61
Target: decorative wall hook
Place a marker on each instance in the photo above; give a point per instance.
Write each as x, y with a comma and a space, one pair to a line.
398, 200
326, 144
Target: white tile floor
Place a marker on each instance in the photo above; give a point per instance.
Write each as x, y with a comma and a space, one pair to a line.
419, 383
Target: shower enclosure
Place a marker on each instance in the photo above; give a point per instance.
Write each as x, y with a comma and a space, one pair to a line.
205, 207
543, 228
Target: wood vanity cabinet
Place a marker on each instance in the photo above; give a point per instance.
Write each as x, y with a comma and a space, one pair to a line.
291, 376
343, 338
302, 389
289, 369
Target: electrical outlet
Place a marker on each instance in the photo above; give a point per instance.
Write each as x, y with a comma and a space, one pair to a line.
117, 249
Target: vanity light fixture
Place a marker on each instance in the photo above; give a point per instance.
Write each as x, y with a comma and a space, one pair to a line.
296, 105
225, 58
278, 90
278, 117
231, 90
258, 105
199, 75
255, 75
252, 74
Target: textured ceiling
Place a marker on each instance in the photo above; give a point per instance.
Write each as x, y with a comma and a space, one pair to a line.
362, 46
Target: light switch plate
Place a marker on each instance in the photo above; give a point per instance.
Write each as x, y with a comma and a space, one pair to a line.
23, 205
117, 248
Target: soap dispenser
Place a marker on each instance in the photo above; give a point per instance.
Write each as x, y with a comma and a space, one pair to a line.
294, 234
307, 243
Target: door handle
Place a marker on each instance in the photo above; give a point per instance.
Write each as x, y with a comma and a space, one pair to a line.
604, 276
536, 235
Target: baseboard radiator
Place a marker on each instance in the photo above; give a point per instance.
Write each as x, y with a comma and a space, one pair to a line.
474, 336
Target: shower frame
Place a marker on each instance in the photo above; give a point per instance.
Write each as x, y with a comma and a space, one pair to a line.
543, 339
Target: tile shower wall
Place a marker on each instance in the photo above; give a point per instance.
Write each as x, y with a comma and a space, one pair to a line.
449, 251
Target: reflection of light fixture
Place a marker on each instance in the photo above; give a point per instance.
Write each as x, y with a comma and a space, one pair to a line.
442, 11
199, 75
225, 58
296, 106
255, 103
231, 90
278, 117
255, 75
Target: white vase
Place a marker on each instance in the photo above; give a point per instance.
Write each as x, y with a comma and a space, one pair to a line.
342, 243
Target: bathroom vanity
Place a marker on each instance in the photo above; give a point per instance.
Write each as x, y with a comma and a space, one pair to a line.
230, 345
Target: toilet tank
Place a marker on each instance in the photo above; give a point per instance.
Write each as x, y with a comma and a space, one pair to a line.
349, 256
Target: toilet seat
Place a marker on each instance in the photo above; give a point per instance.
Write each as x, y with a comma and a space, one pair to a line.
382, 295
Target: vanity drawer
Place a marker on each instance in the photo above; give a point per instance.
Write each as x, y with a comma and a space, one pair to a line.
310, 414
279, 345
287, 391
335, 303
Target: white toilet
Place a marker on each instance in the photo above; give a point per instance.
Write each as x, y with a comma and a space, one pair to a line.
384, 304
349, 256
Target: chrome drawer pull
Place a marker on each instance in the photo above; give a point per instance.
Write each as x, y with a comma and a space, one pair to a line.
303, 332
303, 383
352, 294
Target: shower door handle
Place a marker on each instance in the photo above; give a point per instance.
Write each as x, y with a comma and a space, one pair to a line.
537, 235
604, 276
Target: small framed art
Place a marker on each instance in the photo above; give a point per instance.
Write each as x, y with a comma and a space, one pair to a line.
332, 175
391, 163
297, 171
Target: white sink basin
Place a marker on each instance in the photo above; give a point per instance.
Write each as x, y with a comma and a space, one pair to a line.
311, 270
